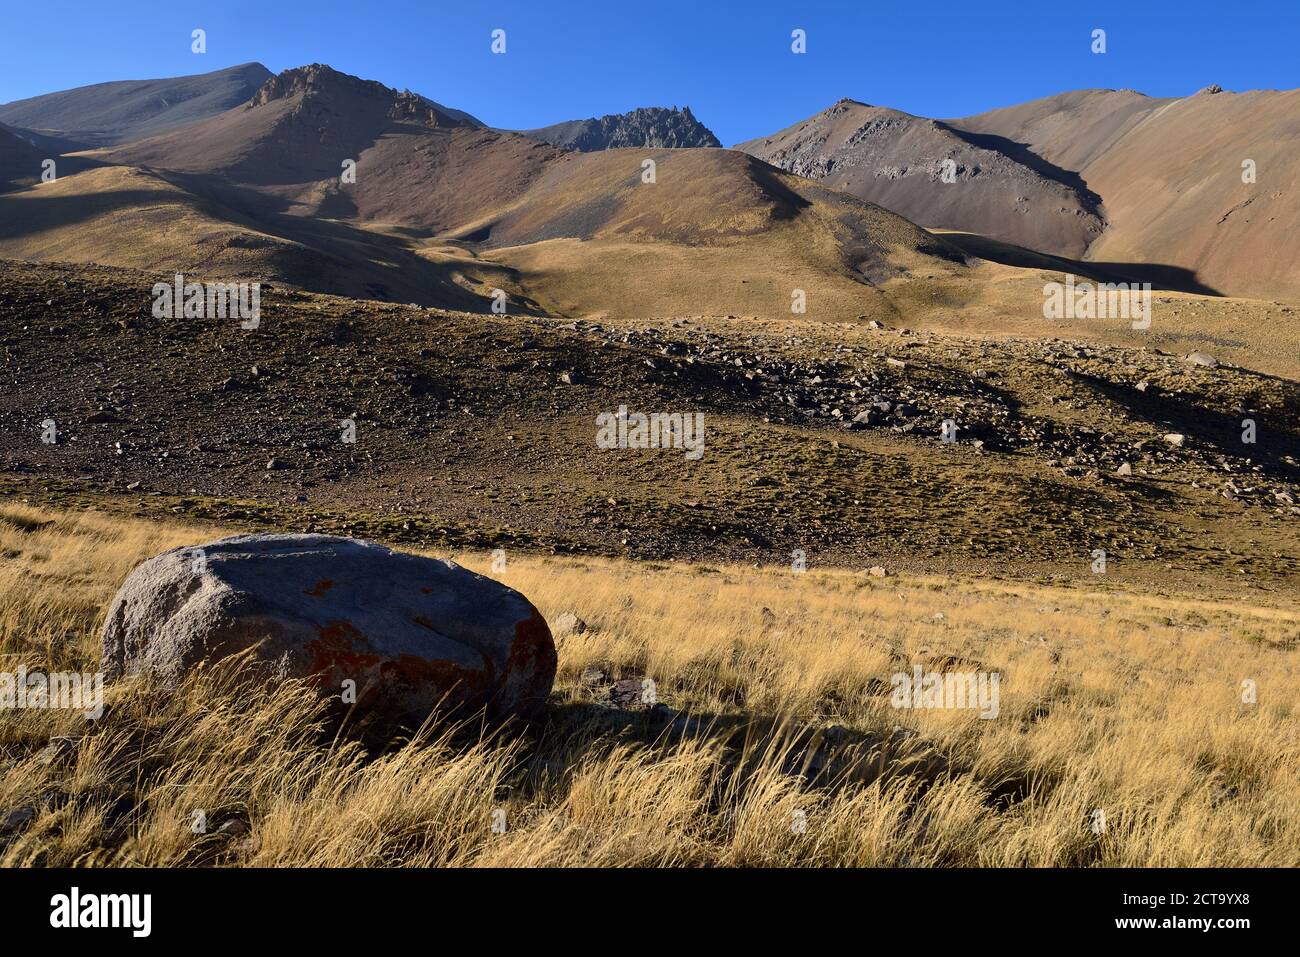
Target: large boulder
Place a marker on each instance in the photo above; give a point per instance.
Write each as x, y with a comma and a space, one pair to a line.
413, 633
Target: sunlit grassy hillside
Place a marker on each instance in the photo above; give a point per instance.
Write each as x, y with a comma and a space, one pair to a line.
758, 730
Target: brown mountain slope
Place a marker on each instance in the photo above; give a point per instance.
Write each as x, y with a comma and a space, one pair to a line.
1174, 192
435, 180
415, 165
125, 110
717, 230
1069, 130
299, 126
897, 160
1170, 175
1162, 178
149, 220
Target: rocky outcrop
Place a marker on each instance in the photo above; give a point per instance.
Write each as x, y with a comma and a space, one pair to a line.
319, 82
647, 127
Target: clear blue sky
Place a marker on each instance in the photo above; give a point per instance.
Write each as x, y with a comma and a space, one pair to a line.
729, 61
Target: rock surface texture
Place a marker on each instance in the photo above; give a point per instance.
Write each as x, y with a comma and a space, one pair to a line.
649, 127
413, 633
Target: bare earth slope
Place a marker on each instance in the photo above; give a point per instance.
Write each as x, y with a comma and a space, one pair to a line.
1070, 130
481, 430
108, 113
415, 165
1156, 182
297, 127
1174, 193
897, 160
1170, 174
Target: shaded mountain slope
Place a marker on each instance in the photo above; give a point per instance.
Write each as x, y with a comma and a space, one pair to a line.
20, 161
110, 113
162, 223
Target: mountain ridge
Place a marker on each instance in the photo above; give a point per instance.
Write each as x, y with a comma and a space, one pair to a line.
118, 111
650, 127
935, 175
1087, 174
318, 166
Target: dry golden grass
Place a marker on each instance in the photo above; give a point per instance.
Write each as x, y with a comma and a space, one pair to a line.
1110, 700
998, 301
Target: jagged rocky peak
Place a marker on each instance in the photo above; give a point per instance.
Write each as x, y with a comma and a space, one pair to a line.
843, 105
658, 127
316, 80
652, 127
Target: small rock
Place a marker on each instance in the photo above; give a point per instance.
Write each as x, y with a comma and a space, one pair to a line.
232, 829
877, 571
1176, 439
11, 821
568, 624
628, 693
1203, 359
56, 750
1124, 469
